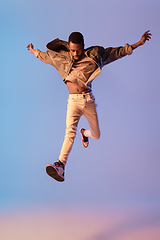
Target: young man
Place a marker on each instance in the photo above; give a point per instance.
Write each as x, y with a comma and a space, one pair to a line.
78, 68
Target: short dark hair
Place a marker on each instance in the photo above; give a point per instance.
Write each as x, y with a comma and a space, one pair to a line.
76, 37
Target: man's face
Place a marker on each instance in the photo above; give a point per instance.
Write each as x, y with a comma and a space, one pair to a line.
76, 50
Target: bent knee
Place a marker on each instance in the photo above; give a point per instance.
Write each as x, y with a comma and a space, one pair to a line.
97, 136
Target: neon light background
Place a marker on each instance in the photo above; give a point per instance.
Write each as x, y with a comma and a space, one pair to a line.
121, 170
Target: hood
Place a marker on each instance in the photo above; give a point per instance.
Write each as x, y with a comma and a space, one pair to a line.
57, 45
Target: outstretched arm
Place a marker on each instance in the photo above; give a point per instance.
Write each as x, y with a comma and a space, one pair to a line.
43, 56
146, 36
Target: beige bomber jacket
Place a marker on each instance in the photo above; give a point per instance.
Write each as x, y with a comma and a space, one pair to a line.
63, 62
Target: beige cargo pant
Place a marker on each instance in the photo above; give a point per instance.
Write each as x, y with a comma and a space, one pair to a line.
78, 105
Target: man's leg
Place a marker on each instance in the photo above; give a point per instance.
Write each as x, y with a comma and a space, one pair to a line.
74, 113
90, 113
73, 116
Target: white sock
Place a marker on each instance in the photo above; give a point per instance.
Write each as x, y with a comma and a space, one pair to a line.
87, 133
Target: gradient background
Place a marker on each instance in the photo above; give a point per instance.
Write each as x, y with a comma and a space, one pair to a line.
112, 189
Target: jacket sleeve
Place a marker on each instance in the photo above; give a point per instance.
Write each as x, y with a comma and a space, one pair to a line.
111, 54
43, 56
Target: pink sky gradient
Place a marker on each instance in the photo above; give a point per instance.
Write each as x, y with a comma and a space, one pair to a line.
76, 224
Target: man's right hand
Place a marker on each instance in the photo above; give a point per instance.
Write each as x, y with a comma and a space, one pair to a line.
31, 48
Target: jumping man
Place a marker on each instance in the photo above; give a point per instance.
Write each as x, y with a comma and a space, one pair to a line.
78, 67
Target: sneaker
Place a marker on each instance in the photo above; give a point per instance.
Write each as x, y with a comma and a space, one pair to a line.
85, 140
56, 171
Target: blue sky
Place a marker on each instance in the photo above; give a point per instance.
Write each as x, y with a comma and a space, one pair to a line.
122, 168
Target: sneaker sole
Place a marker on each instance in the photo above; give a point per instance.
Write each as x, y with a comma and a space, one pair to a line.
53, 173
